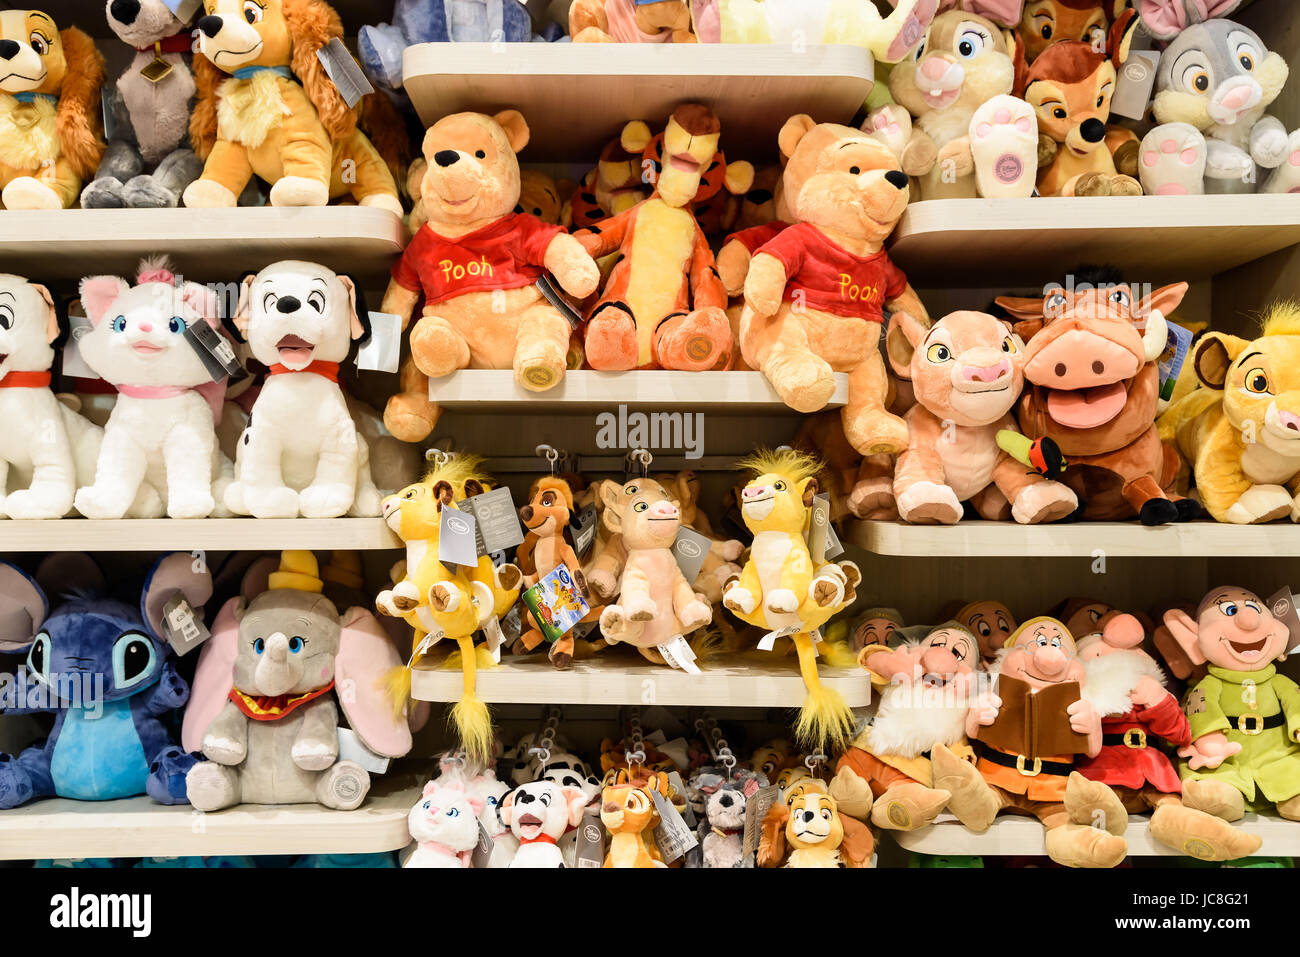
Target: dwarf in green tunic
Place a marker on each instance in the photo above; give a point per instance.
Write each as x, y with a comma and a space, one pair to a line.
1244, 716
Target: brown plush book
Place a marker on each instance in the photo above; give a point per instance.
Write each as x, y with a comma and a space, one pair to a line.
1035, 724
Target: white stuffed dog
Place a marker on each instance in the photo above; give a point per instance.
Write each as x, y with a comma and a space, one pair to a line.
538, 814
46, 449
301, 453
160, 445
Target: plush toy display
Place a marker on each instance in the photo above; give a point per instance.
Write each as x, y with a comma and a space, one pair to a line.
266, 107
721, 831
617, 182
968, 372
159, 454
50, 138
814, 295
1048, 22
148, 163
476, 262
444, 825
104, 669
630, 21
889, 38
47, 451
268, 673
301, 453
806, 829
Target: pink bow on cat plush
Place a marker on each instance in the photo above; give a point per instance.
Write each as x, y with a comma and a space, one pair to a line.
1165, 19
1005, 12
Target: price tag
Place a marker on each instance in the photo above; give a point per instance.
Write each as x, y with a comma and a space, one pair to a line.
678, 654
1283, 606
823, 543
382, 349
690, 549
215, 351
351, 748
582, 526
768, 641
590, 843
344, 72
756, 809
498, 520
457, 543
672, 835
183, 627
483, 849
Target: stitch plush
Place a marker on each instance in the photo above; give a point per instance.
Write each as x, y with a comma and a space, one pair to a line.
889, 38
538, 814
148, 163
160, 449
105, 671
301, 453
814, 295
476, 262
806, 829
50, 138
444, 825
47, 450
630, 21
270, 667
267, 108
1240, 432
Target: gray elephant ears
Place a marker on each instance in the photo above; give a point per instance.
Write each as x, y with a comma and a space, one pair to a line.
23, 609
178, 573
366, 657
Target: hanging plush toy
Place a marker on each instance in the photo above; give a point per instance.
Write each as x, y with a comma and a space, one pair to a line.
780, 588
47, 451
267, 107
627, 810
271, 673
806, 829
538, 814
444, 824
104, 669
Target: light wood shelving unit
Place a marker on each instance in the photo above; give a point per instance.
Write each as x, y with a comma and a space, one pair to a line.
209, 534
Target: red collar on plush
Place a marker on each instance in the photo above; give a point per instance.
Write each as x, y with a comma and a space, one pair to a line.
180, 43
726, 831
25, 380
327, 370
539, 839
263, 708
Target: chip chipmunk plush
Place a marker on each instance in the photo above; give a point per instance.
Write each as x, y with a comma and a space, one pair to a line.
268, 672
50, 136
781, 589
301, 453
476, 262
47, 450
890, 37
267, 108
1240, 431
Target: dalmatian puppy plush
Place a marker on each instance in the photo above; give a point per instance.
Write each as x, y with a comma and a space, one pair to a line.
538, 814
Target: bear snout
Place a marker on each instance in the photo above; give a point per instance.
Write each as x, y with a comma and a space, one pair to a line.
445, 158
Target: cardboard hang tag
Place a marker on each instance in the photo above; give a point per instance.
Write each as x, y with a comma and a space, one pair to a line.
556, 603
582, 528
556, 297
497, 518
1283, 606
382, 350
1134, 83
823, 543
343, 71
672, 835
590, 841
494, 638
678, 654
1171, 362
678, 787
183, 626
215, 351
483, 849
457, 543
352, 748
690, 549
756, 809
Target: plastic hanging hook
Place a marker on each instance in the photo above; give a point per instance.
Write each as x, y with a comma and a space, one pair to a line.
813, 762
551, 454
639, 458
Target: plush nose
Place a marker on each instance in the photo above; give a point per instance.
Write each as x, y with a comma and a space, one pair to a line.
1237, 98
1247, 619
664, 510
1051, 661
896, 179
987, 373
755, 491
124, 11
938, 661
1081, 360
288, 304
277, 647
145, 327
526, 513
8, 49
1093, 130
210, 25
445, 158
933, 68
1122, 631
1289, 420
808, 816
725, 800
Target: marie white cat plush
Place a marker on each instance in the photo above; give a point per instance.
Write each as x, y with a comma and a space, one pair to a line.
46, 449
444, 825
160, 449
301, 453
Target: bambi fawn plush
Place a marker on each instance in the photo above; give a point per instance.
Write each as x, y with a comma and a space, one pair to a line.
814, 295
627, 810
50, 140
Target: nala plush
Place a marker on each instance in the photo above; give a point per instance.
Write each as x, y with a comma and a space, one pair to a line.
301, 453
47, 451
476, 262
160, 452
50, 139
267, 108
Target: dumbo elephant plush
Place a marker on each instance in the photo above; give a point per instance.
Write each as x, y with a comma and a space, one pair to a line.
262, 710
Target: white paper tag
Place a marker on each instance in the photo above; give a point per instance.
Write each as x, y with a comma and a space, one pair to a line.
494, 638
678, 654
1133, 85
690, 549
344, 72
183, 10
456, 538
184, 628
73, 365
382, 351
672, 835
352, 749
428, 641
768, 641
497, 518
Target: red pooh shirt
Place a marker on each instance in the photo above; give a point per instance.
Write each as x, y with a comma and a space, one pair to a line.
832, 279
506, 254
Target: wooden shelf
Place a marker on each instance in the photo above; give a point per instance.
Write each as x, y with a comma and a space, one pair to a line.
207, 244
208, 534
576, 97
985, 242
138, 827
481, 389
620, 677
1076, 540
1023, 837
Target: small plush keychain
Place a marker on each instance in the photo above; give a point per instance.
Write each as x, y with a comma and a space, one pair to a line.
806, 829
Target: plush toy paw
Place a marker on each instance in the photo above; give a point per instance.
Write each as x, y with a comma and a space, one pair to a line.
874, 432
1201, 835
870, 495
404, 596
211, 787
172, 691
1078, 845
167, 773
1286, 179
782, 601
1260, 503
145, 192
733, 266
852, 793
299, 191
1217, 798
640, 609
919, 156
266, 502
224, 750
147, 503
602, 583
508, 577
28, 193
929, 503
1289, 809
542, 366
1043, 502
343, 787
955, 157
1158, 511
1171, 161
826, 591
325, 501
314, 755
444, 598
1094, 804
35, 503
410, 417
383, 201
696, 615
613, 623
804, 381
906, 807
611, 341
437, 349
740, 600
190, 503
1268, 146
695, 342
15, 784
1004, 143
972, 800
1189, 510
209, 194
98, 502
103, 193
367, 503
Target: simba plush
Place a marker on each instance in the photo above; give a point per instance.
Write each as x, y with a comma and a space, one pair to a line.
630, 21
267, 108
968, 371
50, 138
889, 38
814, 295
476, 261
1240, 432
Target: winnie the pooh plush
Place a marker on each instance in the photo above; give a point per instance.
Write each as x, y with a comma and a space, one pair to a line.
814, 295
476, 262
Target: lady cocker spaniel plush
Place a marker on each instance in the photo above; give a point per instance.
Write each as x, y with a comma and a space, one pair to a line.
278, 115
49, 111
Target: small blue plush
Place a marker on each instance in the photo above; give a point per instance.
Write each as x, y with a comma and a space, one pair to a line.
106, 672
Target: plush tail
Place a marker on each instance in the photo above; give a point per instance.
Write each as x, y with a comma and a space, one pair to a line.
471, 715
838, 653
397, 684
825, 721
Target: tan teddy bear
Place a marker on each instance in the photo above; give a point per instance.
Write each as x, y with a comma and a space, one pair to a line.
814, 295
476, 262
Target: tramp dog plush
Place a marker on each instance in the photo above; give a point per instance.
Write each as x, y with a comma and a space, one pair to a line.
889, 38
301, 453
111, 740
50, 139
1240, 432
538, 814
160, 451
267, 108
806, 829
444, 824
267, 673
722, 828
47, 451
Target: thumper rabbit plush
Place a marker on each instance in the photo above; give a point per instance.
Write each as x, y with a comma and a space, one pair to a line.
160, 449
46, 449
105, 671
263, 714
301, 453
